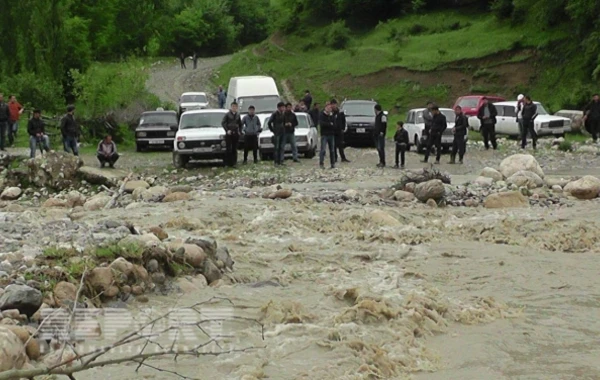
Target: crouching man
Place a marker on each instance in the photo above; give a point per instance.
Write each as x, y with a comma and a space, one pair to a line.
107, 152
37, 134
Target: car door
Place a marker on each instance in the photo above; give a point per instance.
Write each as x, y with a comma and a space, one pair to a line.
312, 133
511, 127
500, 120
410, 126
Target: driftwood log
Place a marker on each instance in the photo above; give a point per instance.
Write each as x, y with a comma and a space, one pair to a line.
420, 176
117, 194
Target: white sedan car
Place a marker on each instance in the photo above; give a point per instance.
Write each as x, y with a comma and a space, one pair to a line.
415, 125
200, 137
190, 101
306, 137
506, 121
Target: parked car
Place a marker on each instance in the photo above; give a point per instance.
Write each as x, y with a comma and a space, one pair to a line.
506, 121
200, 137
258, 91
156, 129
192, 101
306, 137
470, 104
360, 122
415, 125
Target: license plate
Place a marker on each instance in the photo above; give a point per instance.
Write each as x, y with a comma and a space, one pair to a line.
202, 150
360, 130
157, 142
447, 139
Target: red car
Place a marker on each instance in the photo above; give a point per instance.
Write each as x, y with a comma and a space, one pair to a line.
470, 104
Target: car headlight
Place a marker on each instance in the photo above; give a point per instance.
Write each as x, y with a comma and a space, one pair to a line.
141, 134
544, 125
223, 143
181, 145
170, 134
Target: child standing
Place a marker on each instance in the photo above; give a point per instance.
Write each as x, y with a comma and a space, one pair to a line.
401, 139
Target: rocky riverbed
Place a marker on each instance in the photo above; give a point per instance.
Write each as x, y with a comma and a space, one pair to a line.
354, 273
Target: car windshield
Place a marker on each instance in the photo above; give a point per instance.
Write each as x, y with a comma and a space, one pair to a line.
158, 118
302, 122
193, 99
201, 120
359, 109
541, 110
260, 103
469, 102
450, 116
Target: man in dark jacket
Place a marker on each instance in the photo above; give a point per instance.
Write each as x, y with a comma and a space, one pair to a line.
37, 134
251, 128
290, 124
4, 118
528, 115
276, 125
340, 128
380, 131
402, 140
70, 131
487, 116
314, 114
307, 99
327, 123
461, 127
232, 124
591, 117
438, 126
428, 116
107, 152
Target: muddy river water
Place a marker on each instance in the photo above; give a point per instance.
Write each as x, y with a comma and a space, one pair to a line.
346, 292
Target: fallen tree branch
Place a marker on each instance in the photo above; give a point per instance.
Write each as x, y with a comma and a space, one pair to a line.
116, 196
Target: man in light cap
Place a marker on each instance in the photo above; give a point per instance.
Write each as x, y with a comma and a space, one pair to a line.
519, 111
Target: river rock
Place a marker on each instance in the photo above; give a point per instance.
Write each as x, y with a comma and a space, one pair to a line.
383, 218
433, 189
587, 187
410, 187
32, 348
120, 265
13, 354
159, 233
22, 297
145, 240
158, 278
483, 181
492, 173
557, 189
130, 186
181, 189
431, 203
75, 199
588, 149
525, 179
153, 194
194, 255
64, 291
208, 244
211, 272
97, 202
224, 257
13, 207
351, 194
11, 193
562, 182
98, 176
509, 199
404, 196
175, 197
520, 162
54, 170
152, 266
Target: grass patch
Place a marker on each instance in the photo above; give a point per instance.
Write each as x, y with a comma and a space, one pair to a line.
59, 253
112, 252
576, 137
565, 146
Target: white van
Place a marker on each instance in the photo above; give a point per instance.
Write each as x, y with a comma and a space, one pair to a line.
258, 91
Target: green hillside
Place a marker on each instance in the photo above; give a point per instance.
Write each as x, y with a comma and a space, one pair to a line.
406, 61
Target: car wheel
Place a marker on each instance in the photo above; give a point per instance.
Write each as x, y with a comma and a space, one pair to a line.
418, 145
180, 161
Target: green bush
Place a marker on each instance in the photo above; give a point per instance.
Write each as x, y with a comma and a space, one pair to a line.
415, 29
35, 92
338, 35
565, 146
503, 9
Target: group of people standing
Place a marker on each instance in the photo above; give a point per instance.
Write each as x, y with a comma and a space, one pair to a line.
182, 59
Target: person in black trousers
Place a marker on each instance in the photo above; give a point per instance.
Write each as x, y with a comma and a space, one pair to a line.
487, 116
232, 123
438, 126
251, 129
402, 140
380, 131
461, 127
340, 129
592, 117
528, 114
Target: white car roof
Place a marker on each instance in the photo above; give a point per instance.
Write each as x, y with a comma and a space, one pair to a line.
212, 110
511, 103
194, 93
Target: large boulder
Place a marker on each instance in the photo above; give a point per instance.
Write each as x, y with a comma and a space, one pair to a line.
101, 280
11, 193
130, 186
525, 179
520, 162
403, 196
433, 189
97, 176
12, 354
194, 255
97, 202
492, 173
32, 347
587, 187
64, 292
75, 199
55, 203
483, 181
153, 194
55, 170
383, 218
175, 197
21, 297
509, 199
